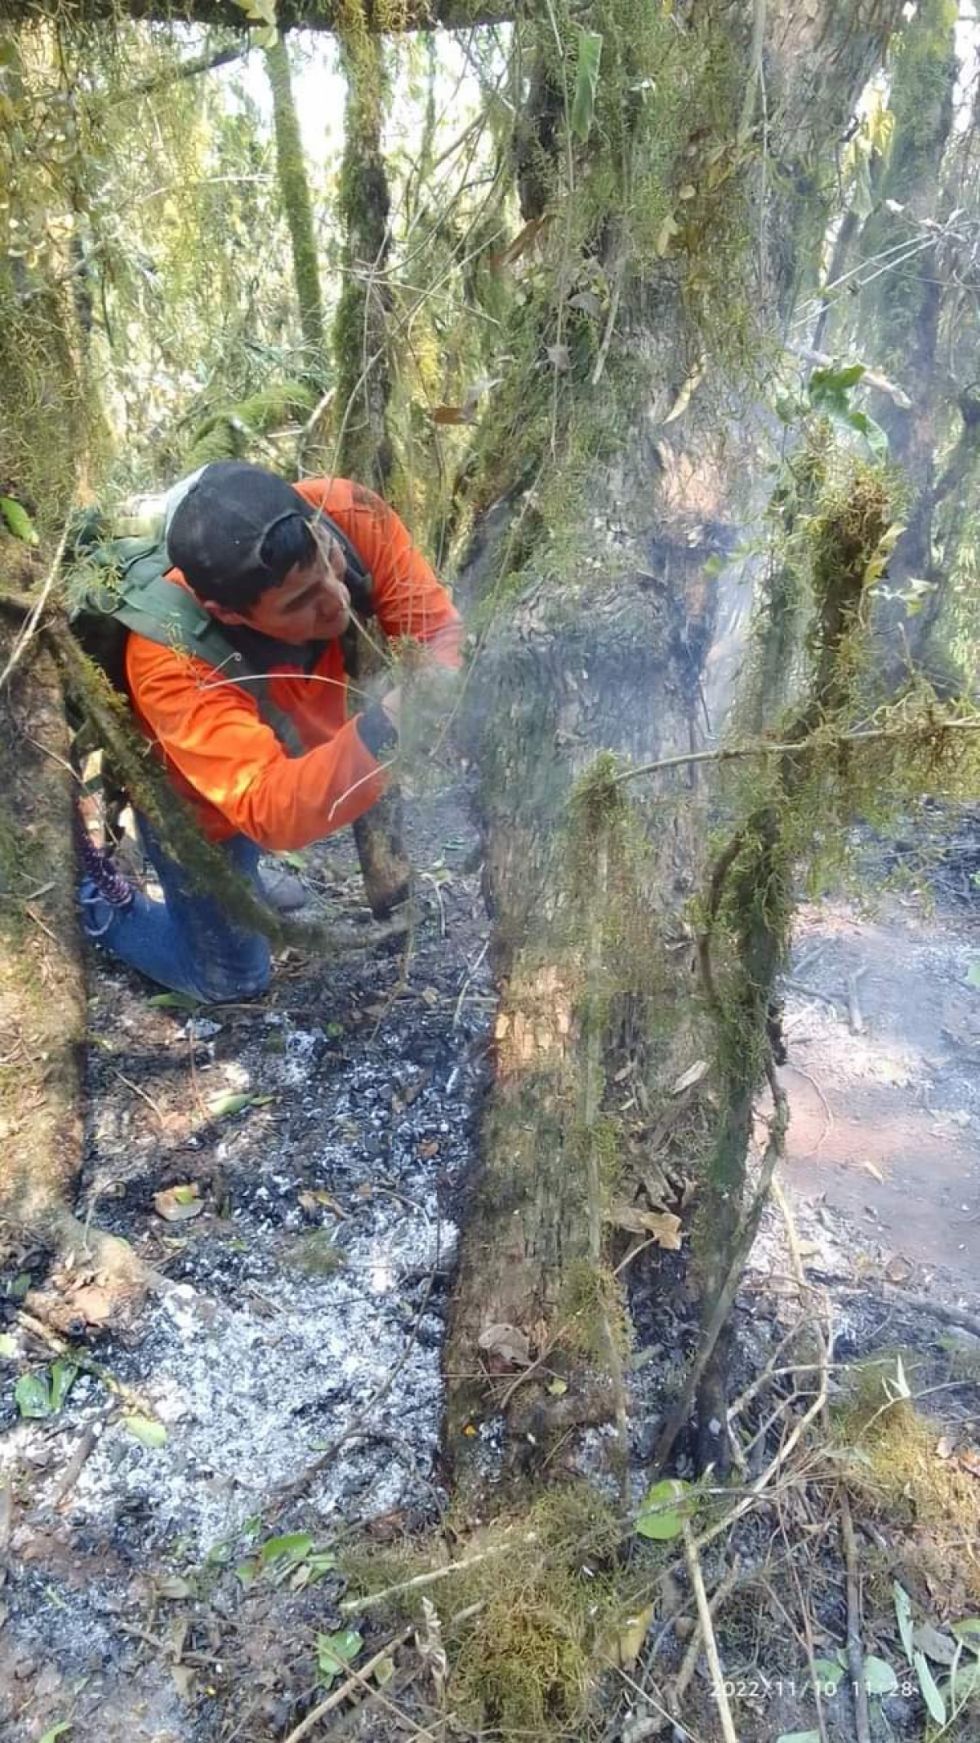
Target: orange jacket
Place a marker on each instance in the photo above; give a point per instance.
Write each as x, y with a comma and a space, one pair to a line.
219, 752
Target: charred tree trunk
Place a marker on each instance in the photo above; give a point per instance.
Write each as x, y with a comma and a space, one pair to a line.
610, 494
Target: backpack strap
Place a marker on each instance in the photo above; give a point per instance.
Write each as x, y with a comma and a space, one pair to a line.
169, 616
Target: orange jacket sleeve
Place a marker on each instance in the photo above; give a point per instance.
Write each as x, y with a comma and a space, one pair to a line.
408, 599
215, 738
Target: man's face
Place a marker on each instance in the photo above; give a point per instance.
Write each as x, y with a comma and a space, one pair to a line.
311, 603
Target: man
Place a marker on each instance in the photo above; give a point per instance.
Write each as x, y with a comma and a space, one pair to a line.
271, 562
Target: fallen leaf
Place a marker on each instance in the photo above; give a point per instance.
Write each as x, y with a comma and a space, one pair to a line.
450, 414
664, 1509
690, 1077
629, 1642
335, 1652
941, 1648
664, 1226
945, 1447
557, 1387
668, 228
559, 356
969, 1460
146, 1430
879, 1677
33, 1396
508, 1342
875, 1172
430, 996
428, 1149
899, 1269
8, 1346
682, 401
178, 1203
383, 1671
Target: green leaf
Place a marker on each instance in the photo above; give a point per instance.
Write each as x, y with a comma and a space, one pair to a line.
18, 520
33, 1395
63, 1376
173, 1002
828, 1673
872, 432
222, 1105
8, 1346
335, 1652
930, 1693
294, 1546
586, 83
664, 1509
879, 1677
20, 1285
969, 1632
973, 974
903, 1613
56, 1731
964, 1683
147, 1431
829, 389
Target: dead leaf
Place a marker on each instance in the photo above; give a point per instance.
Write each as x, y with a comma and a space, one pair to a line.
629, 1642
690, 1077
680, 404
899, 1269
662, 1225
559, 356
430, 996
945, 1447
172, 1586
969, 1460
429, 1149
522, 241
178, 1203
656, 1186
875, 1172
588, 302
94, 1301
450, 414
668, 228
508, 1342
184, 1677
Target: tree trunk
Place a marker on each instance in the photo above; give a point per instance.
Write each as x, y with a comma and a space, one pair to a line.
295, 192
612, 493
43, 1009
363, 391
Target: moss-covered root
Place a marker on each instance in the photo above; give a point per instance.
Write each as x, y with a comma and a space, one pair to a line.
43, 1006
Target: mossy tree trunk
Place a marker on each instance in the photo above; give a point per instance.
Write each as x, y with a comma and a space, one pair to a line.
362, 393
903, 307
295, 192
43, 1007
610, 492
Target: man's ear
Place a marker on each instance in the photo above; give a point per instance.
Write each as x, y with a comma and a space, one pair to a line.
223, 612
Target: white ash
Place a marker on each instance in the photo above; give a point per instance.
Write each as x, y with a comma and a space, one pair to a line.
250, 1398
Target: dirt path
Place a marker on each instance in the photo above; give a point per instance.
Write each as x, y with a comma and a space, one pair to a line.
883, 1031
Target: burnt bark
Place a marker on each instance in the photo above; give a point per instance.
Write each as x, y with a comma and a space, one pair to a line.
613, 657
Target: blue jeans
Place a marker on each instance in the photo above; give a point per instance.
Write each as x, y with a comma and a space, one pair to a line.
186, 942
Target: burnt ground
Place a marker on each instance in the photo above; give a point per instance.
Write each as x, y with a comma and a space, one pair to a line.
289, 1386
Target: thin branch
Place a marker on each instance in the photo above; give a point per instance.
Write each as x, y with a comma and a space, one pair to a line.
817, 741
855, 1651
347, 1687
710, 1643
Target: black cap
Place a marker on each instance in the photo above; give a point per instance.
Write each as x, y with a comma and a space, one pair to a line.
218, 521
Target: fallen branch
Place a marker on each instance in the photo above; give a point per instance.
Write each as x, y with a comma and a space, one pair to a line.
347, 1687
359, 1606
855, 1650
710, 1643
940, 1310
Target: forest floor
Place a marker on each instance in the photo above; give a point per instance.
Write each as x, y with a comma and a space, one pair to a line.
170, 1525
